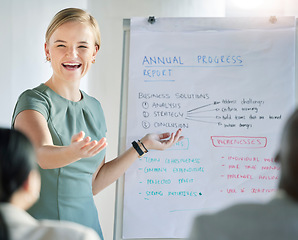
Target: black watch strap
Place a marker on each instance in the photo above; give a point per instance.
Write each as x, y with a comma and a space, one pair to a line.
137, 148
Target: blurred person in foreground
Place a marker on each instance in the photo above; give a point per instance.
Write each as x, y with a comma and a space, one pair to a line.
19, 190
276, 219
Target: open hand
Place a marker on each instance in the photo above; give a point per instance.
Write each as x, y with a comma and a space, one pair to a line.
83, 147
161, 141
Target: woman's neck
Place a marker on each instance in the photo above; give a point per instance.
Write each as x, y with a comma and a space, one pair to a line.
68, 90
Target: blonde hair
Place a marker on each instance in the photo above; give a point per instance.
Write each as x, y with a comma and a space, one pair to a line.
76, 15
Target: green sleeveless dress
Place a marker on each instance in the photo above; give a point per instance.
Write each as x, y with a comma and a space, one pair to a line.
66, 193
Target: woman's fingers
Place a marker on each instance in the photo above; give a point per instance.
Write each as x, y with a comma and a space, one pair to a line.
173, 138
170, 140
99, 146
177, 137
78, 137
164, 135
88, 148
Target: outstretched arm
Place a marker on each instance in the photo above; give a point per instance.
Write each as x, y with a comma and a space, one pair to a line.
49, 156
108, 172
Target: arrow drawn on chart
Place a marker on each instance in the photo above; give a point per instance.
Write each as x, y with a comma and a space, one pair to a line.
203, 107
200, 110
192, 113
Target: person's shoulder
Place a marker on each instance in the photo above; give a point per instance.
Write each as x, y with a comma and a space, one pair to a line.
226, 221
89, 98
66, 230
229, 214
237, 211
37, 93
248, 221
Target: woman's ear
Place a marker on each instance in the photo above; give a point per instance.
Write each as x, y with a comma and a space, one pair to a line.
26, 184
95, 51
47, 51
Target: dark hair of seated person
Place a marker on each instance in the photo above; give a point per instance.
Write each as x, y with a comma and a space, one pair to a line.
288, 157
17, 160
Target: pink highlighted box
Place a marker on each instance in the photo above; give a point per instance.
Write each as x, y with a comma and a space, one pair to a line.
239, 142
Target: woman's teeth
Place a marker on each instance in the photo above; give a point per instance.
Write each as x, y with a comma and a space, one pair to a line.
71, 65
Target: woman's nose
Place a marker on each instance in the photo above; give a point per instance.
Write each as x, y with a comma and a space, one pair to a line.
71, 52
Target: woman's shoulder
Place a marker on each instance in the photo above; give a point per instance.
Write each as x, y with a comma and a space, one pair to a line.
38, 93
33, 99
90, 100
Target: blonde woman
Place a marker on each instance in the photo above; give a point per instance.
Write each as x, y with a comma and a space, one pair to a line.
68, 129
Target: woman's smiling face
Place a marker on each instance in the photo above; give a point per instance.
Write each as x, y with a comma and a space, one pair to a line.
71, 49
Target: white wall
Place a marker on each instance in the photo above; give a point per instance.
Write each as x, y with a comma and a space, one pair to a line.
6, 101
22, 63
260, 8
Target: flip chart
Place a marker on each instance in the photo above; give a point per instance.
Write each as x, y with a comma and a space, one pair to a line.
228, 83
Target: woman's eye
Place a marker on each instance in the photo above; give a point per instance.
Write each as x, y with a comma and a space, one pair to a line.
61, 45
82, 46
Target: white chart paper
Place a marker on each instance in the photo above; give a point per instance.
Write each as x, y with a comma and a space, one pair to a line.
229, 85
